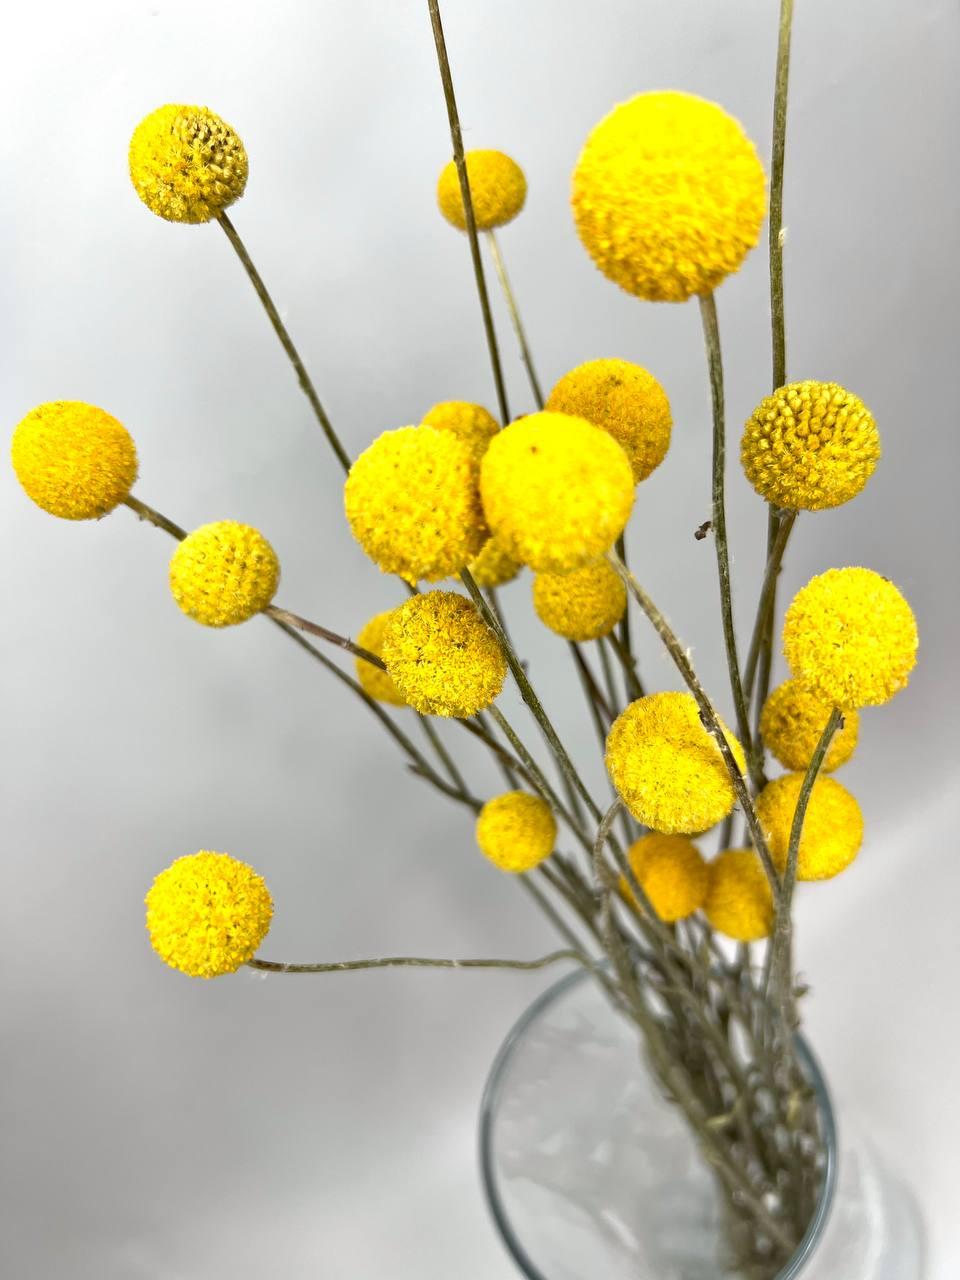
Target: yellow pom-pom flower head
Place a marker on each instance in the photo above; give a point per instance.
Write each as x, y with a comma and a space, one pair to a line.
792, 722
224, 573
626, 401
557, 491
73, 459
498, 190
739, 902
516, 831
850, 637
471, 423
207, 914
668, 770
832, 825
668, 196
375, 683
583, 605
671, 872
186, 164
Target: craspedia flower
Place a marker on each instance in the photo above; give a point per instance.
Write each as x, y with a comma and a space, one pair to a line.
667, 768
412, 502
207, 914
739, 900
832, 825
557, 491
809, 446
73, 460
498, 190
792, 722
626, 401
224, 573
671, 872
516, 831
850, 637
375, 683
668, 196
583, 605
470, 423
186, 164
444, 659
492, 566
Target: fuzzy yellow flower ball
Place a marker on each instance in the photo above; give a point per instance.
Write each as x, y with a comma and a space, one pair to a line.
498, 190
207, 914
667, 768
375, 683
850, 637
444, 659
186, 164
470, 423
668, 196
557, 491
624, 399
516, 831
224, 573
73, 460
832, 825
671, 872
412, 502
583, 605
492, 566
792, 722
739, 900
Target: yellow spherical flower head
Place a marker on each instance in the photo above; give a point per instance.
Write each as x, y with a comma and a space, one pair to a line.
626, 401
443, 658
668, 196
557, 491
470, 423
375, 683
493, 566
186, 164
667, 768
739, 900
671, 872
207, 914
73, 460
413, 505
809, 446
516, 831
583, 605
498, 190
832, 825
792, 722
224, 573
850, 638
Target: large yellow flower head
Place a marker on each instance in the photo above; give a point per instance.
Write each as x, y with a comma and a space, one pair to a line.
498, 190
809, 446
224, 573
583, 605
671, 872
557, 491
792, 722
444, 659
624, 399
667, 768
470, 423
850, 638
207, 914
668, 196
186, 164
73, 460
412, 502
739, 899
492, 566
832, 825
375, 683
516, 831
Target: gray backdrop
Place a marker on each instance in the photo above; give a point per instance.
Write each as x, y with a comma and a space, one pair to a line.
296, 1127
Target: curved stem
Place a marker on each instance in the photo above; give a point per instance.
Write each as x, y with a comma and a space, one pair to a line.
416, 962
525, 355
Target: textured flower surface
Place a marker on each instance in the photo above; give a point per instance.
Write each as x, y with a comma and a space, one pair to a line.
668, 195
792, 722
186, 164
516, 831
809, 446
583, 605
375, 683
832, 825
671, 872
739, 900
470, 423
207, 914
850, 637
73, 460
498, 190
492, 566
224, 573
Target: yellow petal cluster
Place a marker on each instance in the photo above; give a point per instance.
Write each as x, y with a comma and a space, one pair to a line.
73, 459
792, 722
224, 573
667, 768
516, 831
498, 190
493, 566
668, 196
583, 605
470, 423
626, 401
671, 872
739, 899
832, 825
186, 164
207, 914
375, 683
850, 637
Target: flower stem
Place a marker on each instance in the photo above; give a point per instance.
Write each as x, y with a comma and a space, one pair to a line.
623, 641
416, 962
525, 355
314, 629
778, 325
765, 606
154, 517
443, 755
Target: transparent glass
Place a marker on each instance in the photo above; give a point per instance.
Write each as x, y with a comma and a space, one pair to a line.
591, 1175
